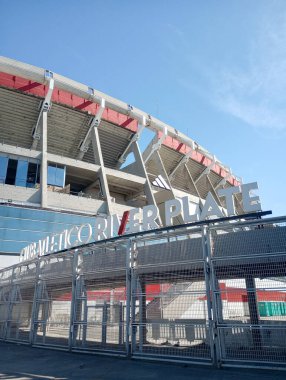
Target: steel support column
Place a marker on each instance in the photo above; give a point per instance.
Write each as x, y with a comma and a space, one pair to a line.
142, 315
34, 306
129, 259
253, 309
211, 305
10, 305
75, 275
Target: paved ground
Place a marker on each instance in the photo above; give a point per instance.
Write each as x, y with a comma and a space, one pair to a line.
26, 363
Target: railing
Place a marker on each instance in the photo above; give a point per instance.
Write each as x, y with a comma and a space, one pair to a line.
211, 293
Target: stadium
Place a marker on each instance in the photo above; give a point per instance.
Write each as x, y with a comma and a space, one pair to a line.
87, 137
208, 289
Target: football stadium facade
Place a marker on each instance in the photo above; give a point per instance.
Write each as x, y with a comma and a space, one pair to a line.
63, 151
160, 253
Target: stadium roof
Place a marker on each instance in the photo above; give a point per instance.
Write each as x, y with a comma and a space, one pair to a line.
23, 88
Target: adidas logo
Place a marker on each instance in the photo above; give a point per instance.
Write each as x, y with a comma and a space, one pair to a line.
160, 182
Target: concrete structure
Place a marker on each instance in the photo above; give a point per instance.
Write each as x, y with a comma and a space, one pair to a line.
69, 152
211, 292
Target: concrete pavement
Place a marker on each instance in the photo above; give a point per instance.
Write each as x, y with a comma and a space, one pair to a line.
28, 363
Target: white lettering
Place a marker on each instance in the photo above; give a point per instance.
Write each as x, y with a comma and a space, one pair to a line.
43, 246
210, 208
61, 239
228, 194
69, 235
89, 233
24, 253
250, 203
54, 243
113, 224
173, 208
186, 211
99, 229
150, 214
32, 250
134, 224
108, 227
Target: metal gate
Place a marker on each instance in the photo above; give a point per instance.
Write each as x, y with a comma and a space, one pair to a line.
171, 315
211, 294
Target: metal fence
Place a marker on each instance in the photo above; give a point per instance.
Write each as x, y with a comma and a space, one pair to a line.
211, 294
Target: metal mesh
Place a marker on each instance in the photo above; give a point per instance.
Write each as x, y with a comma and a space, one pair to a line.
249, 285
169, 299
253, 344
100, 299
53, 301
207, 294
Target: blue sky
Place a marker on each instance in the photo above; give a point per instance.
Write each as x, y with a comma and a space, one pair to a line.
213, 69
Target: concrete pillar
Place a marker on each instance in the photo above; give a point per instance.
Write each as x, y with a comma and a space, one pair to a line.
141, 168
44, 162
98, 158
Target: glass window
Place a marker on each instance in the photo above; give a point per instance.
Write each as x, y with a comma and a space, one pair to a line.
56, 175
60, 176
32, 174
52, 175
11, 172
21, 176
3, 169
38, 180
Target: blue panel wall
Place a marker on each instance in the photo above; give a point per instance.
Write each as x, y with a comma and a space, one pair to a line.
20, 226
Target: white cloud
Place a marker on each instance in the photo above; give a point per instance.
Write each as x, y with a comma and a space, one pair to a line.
256, 94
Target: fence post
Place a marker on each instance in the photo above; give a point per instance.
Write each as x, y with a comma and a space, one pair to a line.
211, 306
34, 306
73, 299
142, 315
217, 305
253, 310
128, 295
104, 324
133, 295
10, 305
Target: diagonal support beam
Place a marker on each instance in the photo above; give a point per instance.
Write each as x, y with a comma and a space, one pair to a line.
134, 139
139, 165
101, 173
182, 162
207, 170
84, 146
192, 181
157, 145
163, 195
45, 107
224, 180
140, 169
214, 192
147, 186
